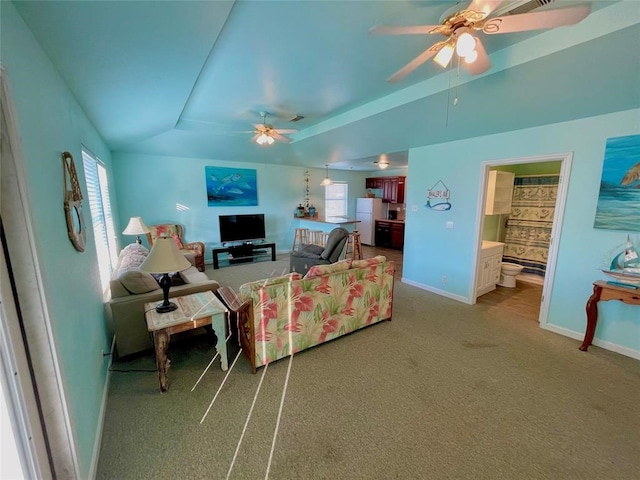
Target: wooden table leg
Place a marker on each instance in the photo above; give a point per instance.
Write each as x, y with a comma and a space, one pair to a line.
592, 317
161, 344
218, 325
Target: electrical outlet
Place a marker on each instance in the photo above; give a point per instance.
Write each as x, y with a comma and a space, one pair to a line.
444, 279
414, 208
449, 224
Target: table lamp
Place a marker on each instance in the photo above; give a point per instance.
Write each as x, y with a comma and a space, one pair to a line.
165, 258
136, 227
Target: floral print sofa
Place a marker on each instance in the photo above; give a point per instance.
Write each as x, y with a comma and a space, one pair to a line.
284, 315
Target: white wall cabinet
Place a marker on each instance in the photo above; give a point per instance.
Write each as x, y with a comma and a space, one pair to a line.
499, 192
489, 266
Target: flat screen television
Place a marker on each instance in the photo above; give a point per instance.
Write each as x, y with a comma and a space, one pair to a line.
241, 228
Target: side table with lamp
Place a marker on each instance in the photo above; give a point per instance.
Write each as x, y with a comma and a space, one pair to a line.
187, 313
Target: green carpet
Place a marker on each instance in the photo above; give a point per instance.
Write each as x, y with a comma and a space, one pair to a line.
444, 391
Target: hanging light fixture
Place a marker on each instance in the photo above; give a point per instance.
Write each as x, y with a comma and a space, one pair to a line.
383, 162
263, 139
327, 180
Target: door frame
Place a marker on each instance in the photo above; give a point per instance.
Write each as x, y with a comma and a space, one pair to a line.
565, 160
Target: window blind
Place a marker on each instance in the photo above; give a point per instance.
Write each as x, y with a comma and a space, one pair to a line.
101, 219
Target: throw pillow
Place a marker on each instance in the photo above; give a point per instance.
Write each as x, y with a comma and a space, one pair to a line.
134, 248
136, 281
132, 257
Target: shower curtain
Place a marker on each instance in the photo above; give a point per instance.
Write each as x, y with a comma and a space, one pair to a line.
529, 225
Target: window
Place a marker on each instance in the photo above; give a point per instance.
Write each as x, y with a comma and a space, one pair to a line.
335, 200
104, 234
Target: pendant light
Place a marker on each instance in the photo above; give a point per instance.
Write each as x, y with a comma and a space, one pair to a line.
327, 180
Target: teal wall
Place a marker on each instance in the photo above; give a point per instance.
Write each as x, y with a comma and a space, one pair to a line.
153, 186
50, 122
432, 251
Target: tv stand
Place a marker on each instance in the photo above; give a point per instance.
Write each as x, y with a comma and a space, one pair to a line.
246, 252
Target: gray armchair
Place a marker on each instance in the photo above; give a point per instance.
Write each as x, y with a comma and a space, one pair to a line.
308, 255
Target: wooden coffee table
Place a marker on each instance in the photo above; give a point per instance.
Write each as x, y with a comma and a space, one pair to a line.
194, 311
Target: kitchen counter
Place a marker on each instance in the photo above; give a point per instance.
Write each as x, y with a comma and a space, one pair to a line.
390, 221
342, 221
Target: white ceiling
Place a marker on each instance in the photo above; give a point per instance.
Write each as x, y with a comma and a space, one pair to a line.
183, 78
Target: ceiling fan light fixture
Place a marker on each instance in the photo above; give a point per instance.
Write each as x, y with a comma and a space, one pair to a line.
263, 139
444, 56
465, 44
471, 57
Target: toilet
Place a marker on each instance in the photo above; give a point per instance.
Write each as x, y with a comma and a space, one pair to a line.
508, 272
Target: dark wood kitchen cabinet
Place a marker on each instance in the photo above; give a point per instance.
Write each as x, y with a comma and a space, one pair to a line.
383, 234
389, 234
392, 187
373, 182
397, 235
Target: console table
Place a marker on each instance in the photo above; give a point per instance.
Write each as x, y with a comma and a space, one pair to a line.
244, 253
603, 291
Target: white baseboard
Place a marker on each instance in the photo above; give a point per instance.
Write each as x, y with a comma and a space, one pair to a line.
437, 291
97, 444
626, 351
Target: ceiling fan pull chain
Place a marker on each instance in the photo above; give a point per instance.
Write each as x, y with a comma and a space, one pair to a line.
446, 122
455, 99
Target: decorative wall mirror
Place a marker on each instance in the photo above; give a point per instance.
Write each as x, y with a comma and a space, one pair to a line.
73, 204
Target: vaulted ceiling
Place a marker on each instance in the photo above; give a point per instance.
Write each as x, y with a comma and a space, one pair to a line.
187, 78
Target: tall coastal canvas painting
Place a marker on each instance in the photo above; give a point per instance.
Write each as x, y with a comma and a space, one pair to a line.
620, 185
231, 187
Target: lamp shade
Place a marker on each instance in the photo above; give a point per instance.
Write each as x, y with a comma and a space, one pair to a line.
444, 56
135, 227
164, 257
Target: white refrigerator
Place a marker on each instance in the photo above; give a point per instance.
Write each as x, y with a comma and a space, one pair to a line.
368, 210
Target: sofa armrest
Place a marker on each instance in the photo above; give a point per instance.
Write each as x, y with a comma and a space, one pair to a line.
128, 320
303, 254
198, 246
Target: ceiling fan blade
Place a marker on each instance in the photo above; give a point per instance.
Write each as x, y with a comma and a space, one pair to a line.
482, 63
410, 30
416, 62
285, 130
536, 20
277, 136
484, 6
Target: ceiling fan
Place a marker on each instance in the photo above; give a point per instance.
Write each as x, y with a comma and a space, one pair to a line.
459, 26
382, 162
265, 134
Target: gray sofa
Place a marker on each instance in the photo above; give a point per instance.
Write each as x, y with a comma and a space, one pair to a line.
130, 289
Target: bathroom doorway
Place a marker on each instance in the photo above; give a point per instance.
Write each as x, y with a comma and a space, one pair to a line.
533, 283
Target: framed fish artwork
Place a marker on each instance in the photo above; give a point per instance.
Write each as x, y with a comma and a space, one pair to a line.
620, 185
231, 187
